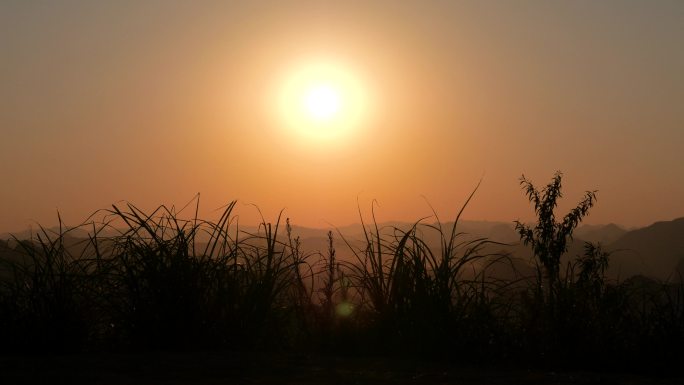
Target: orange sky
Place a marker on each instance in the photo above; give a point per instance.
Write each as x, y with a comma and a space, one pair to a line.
154, 102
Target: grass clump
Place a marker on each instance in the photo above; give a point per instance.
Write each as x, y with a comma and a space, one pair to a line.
421, 298
46, 295
156, 280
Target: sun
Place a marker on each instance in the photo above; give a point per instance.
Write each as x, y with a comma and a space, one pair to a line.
322, 101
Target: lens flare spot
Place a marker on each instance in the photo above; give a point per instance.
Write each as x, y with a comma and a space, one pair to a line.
344, 309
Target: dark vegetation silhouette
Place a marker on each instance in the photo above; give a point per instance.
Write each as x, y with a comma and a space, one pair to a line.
163, 282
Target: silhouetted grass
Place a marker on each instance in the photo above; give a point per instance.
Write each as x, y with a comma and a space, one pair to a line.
422, 299
164, 282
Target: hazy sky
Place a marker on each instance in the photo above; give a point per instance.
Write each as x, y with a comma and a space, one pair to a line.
154, 101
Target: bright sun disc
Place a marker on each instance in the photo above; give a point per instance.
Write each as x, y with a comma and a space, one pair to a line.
321, 101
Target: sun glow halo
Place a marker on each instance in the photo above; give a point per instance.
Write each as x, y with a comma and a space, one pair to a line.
322, 101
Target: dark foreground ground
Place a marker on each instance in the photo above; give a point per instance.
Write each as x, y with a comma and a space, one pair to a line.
232, 368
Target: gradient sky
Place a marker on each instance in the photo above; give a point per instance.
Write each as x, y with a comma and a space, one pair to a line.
154, 101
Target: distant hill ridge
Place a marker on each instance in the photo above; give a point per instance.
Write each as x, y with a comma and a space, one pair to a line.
604, 234
656, 250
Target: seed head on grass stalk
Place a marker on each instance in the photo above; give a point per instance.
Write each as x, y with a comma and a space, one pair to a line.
275, 277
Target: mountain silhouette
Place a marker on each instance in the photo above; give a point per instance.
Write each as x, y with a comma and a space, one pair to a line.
604, 234
655, 251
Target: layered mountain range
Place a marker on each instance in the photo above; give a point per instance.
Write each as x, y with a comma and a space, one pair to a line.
655, 251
